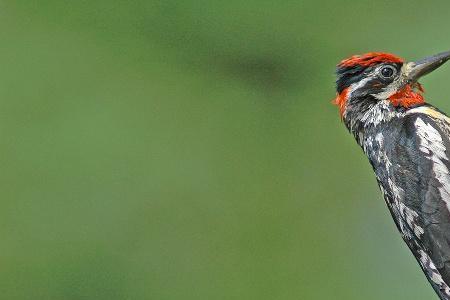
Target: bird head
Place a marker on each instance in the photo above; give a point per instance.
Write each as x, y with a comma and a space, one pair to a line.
374, 85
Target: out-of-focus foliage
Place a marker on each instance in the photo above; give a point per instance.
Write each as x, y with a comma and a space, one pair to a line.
189, 150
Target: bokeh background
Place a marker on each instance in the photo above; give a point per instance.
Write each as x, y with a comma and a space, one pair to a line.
188, 150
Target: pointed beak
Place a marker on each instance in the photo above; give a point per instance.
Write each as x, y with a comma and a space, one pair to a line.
422, 67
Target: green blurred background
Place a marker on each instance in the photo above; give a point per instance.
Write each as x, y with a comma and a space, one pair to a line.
189, 150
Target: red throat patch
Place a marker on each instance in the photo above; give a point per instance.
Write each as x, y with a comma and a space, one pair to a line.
408, 96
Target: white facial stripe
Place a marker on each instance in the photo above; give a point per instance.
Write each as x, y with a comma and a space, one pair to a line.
357, 85
354, 87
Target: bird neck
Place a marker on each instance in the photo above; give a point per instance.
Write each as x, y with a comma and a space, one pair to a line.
366, 115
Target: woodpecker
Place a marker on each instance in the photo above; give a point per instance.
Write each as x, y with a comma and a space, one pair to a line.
407, 142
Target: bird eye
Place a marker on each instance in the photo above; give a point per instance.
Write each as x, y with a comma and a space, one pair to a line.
388, 71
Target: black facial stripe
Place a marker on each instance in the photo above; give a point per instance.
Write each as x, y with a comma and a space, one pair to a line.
346, 76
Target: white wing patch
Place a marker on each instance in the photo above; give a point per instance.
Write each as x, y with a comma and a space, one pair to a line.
432, 145
428, 265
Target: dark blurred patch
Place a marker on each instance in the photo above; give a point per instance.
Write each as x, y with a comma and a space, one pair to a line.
267, 72
262, 71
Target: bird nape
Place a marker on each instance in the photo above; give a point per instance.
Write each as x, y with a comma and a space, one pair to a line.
407, 142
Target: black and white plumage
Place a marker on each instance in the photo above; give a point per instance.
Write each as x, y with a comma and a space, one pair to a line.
408, 145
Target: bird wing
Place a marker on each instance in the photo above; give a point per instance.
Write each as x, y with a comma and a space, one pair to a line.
421, 167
